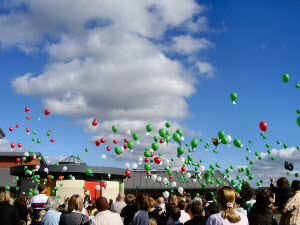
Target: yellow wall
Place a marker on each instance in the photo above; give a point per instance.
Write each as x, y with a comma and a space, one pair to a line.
69, 188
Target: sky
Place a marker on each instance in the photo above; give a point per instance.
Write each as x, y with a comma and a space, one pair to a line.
133, 63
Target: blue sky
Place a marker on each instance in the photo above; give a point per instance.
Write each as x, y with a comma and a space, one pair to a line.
251, 44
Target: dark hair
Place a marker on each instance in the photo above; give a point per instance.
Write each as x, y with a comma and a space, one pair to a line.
175, 213
240, 201
143, 202
262, 201
209, 196
21, 199
181, 205
248, 195
296, 185
41, 187
196, 208
102, 204
283, 182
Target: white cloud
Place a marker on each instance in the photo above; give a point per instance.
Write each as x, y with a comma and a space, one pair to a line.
185, 44
4, 145
206, 68
52, 160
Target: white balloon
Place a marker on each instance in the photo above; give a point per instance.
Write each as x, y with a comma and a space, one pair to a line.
26, 154
153, 177
166, 194
103, 156
165, 180
194, 180
182, 138
46, 170
173, 184
128, 132
188, 175
30, 172
127, 165
229, 139
140, 159
97, 187
151, 150
65, 168
201, 168
167, 162
134, 166
180, 190
182, 159
158, 179
109, 175
73, 178
37, 167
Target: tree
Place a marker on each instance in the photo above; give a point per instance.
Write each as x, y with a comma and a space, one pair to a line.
245, 188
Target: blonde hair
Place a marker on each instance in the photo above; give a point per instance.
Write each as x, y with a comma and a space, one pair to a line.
41, 214
5, 196
226, 195
152, 221
152, 202
173, 201
75, 203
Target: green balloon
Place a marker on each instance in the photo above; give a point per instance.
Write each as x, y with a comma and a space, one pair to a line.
242, 169
114, 128
269, 151
251, 162
130, 144
244, 181
147, 166
180, 132
79, 157
227, 170
168, 124
287, 173
296, 175
278, 142
51, 177
38, 141
190, 158
297, 85
39, 158
238, 177
251, 177
136, 136
265, 136
168, 133
30, 151
273, 158
298, 147
83, 187
256, 154
258, 183
298, 121
224, 140
48, 133
218, 165
247, 158
233, 97
162, 132
259, 157
267, 145
237, 143
248, 149
24, 159
238, 188
34, 131
57, 164
203, 184
201, 139
88, 171
29, 194
33, 139
154, 146
118, 150
285, 146
285, 78
233, 182
34, 192
147, 154
176, 137
231, 167
248, 171
194, 143
149, 128
212, 173
262, 134
7, 188
221, 134
45, 180
250, 141
180, 150
167, 139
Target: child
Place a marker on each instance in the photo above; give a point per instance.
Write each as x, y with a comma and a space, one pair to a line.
152, 222
41, 214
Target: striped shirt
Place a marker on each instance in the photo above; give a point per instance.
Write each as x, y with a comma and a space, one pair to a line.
38, 203
293, 205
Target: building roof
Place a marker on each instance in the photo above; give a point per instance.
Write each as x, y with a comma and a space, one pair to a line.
72, 160
2, 134
21, 154
139, 181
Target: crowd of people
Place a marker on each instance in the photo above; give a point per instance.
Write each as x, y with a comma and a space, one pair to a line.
227, 207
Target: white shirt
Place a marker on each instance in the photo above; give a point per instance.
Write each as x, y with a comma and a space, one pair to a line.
217, 219
117, 207
184, 216
107, 218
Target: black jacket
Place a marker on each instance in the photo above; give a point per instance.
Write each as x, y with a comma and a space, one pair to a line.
199, 220
8, 214
73, 218
282, 195
22, 210
128, 212
256, 217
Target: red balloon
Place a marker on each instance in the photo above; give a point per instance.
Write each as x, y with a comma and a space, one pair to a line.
125, 147
104, 184
170, 177
184, 193
52, 140
115, 141
60, 177
183, 169
19, 145
127, 173
149, 172
108, 148
27, 130
157, 160
34, 157
26, 109
11, 129
47, 112
146, 160
48, 177
50, 131
95, 122
97, 142
46, 191
102, 140
263, 126
18, 160
161, 141
152, 154
125, 140
17, 125
27, 117
12, 145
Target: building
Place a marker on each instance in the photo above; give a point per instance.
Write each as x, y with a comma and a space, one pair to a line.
2, 134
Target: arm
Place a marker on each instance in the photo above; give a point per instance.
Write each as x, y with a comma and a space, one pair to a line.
289, 206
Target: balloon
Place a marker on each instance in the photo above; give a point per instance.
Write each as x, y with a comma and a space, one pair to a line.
134, 166
154, 146
39, 158
88, 172
95, 122
103, 156
18, 160
10, 129
194, 143
215, 141
65, 168
224, 140
201, 168
168, 124
135, 136
156, 138
97, 187
130, 144
273, 158
176, 137
157, 160
162, 132
147, 167
203, 184
237, 143
263, 126
233, 97
115, 142
27, 117
190, 158
52, 140
127, 165
97, 143
161, 141
180, 132
140, 160
166, 194
183, 169
298, 111
102, 140
26, 109
180, 190
297, 85
60, 177
108, 148
285, 78
233, 182
149, 128
128, 132
167, 162
158, 179
238, 188
221, 134
285, 146
46, 170
298, 121
118, 150
180, 150
12, 145
104, 184
47, 112
17, 125
251, 162
38, 141
188, 175
27, 130
114, 128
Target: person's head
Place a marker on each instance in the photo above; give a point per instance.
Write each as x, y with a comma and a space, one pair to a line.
172, 201
5, 196
295, 186
41, 214
142, 202
110, 201
160, 200
175, 214
181, 205
75, 203
248, 195
239, 202
52, 203
152, 221
102, 204
41, 188
197, 208
226, 199
262, 201
209, 196
282, 182
198, 199
121, 197
21, 199
151, 202
130, 199
89, 210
